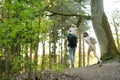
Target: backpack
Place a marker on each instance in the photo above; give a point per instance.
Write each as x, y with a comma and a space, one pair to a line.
93, 40
72, 41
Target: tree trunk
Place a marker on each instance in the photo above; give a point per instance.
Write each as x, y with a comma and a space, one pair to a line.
30, 63
43, 55
7, 51
7, 63
54, 51
84, 56
66, 56
80, 41
80, 52
102, 30
50, 53
54, 46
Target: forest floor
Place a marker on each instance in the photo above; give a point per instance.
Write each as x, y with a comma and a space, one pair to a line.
108, 71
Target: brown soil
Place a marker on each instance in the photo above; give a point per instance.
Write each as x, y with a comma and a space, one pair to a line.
108, 71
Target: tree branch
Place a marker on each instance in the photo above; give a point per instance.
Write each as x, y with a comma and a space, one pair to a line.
83, 16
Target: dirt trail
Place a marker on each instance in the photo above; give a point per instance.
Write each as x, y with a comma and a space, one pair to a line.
108, 71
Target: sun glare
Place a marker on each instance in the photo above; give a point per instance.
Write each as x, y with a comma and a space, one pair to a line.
111, 5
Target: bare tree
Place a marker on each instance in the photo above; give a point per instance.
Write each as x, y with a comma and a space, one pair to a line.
115, 22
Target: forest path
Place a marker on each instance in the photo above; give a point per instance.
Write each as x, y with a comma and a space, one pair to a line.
108, 71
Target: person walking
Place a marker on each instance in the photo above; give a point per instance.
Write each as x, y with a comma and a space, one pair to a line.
92, 47
72, 43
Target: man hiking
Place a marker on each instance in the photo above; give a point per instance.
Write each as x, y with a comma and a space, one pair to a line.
72, 43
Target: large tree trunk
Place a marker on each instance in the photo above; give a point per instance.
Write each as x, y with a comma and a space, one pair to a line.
102, 30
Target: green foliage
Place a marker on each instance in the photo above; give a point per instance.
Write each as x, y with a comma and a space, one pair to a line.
24, 25
45, 25
58, 67
20, 28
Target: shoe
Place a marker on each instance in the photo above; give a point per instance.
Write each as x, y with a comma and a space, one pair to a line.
99, 63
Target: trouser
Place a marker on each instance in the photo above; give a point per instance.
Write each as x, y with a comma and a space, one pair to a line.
72, 55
